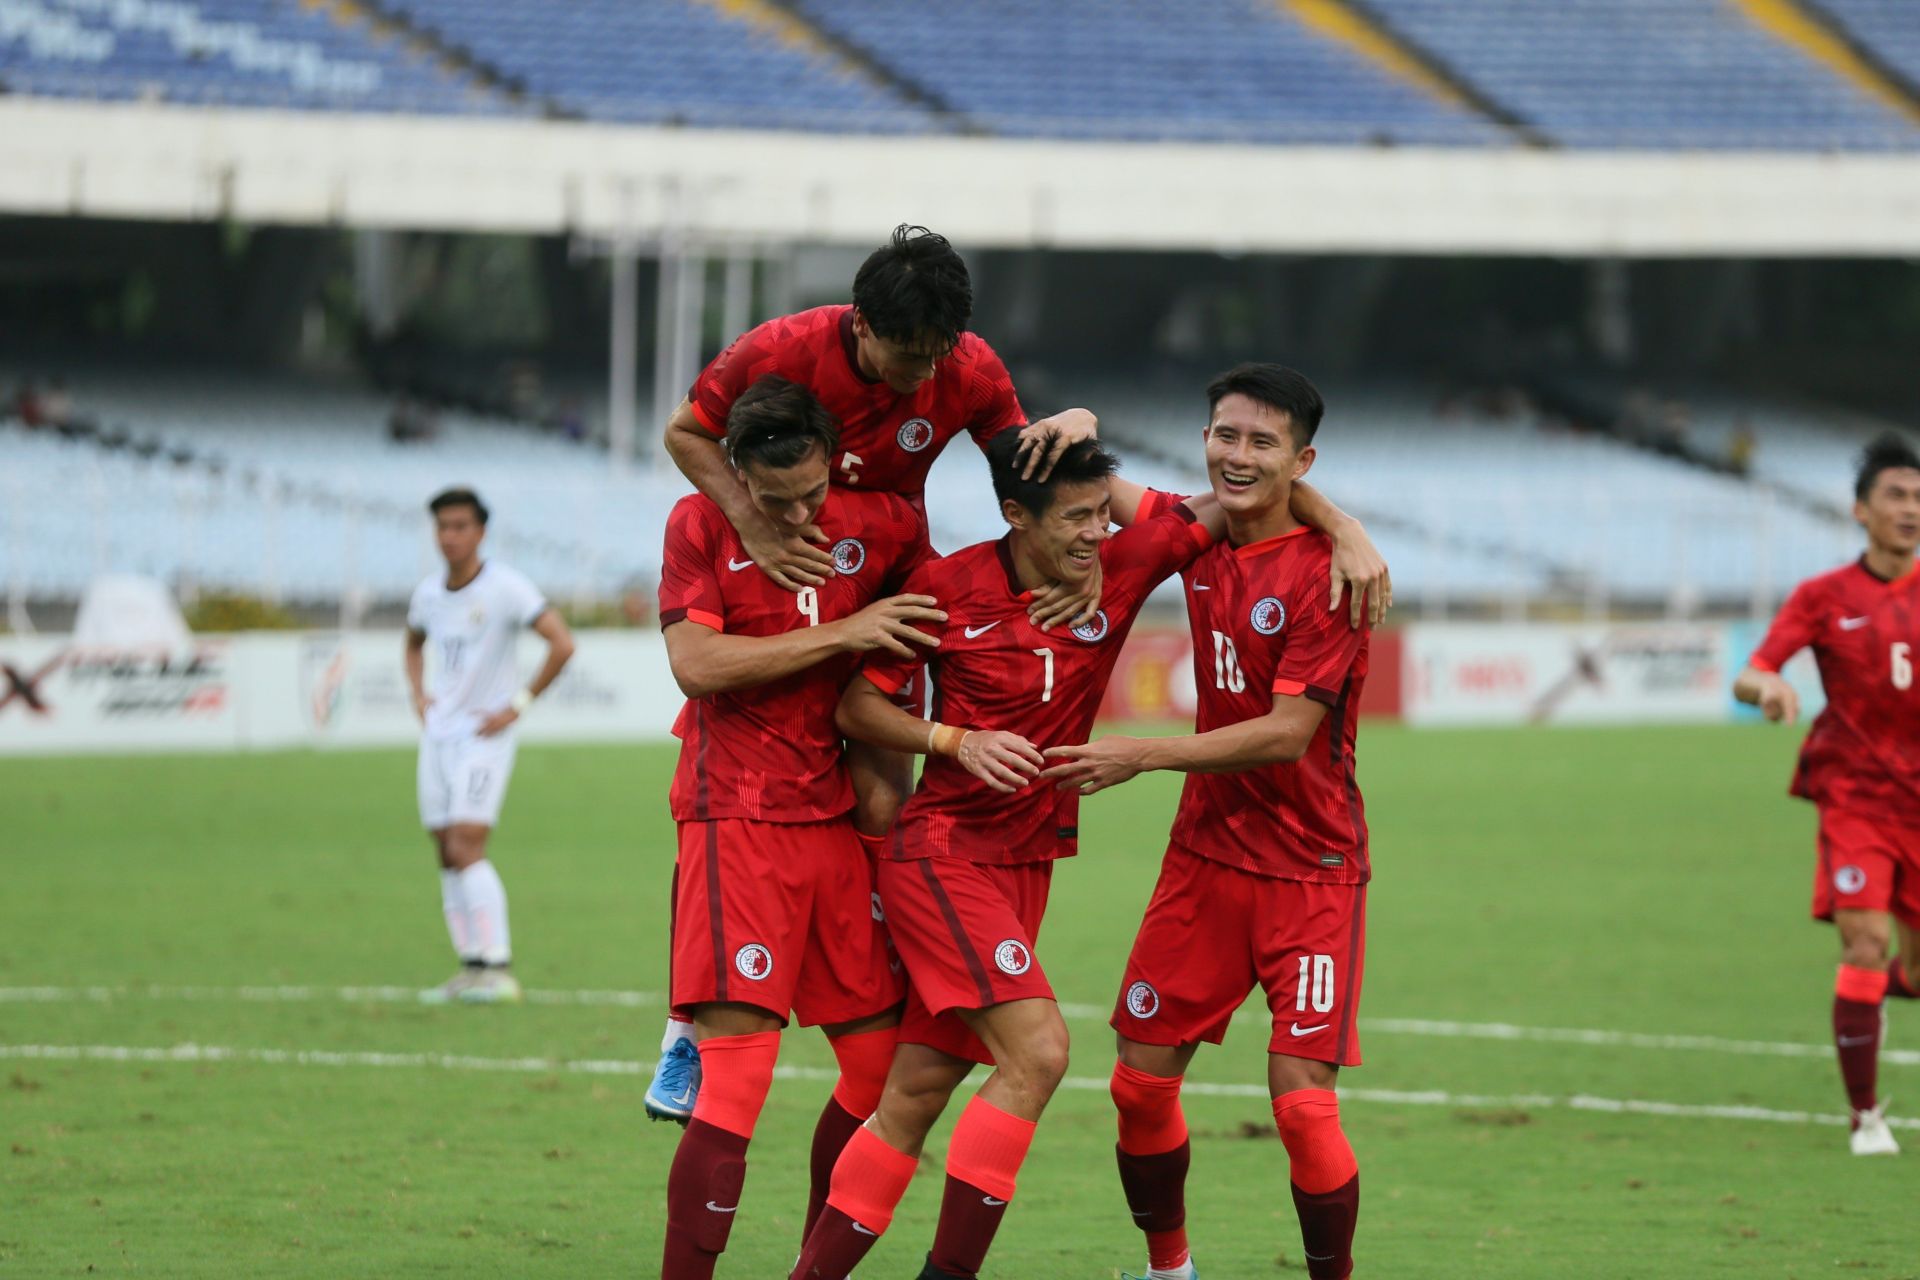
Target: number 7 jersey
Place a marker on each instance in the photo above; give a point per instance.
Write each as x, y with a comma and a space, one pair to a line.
771, 752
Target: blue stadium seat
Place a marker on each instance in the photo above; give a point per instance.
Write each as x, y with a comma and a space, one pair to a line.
1890, 29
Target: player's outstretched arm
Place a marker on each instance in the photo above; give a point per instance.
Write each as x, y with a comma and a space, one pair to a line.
706, 661
1279, 737
1768, 690
790, 559
1359, 571
1004, 761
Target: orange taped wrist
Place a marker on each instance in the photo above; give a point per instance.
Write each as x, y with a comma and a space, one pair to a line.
945, 740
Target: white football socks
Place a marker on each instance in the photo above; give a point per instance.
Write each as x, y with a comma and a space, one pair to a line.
453, 905
486, 900
677, 1029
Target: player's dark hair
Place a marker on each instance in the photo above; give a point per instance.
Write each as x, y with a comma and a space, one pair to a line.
458, 498
1083, 461
1887, 452
914, 287
776, 423
1277, 387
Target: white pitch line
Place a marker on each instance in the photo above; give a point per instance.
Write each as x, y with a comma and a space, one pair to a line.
200, 1053
1078, 1012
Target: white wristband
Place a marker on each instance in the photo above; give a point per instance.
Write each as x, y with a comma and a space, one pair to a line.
521, 701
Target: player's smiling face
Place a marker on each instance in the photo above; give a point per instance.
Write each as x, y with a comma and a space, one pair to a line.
904, 366
1063, 544
1891, 512
1251, 457
790, 496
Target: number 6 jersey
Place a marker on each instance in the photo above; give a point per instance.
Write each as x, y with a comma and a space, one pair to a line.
771, 752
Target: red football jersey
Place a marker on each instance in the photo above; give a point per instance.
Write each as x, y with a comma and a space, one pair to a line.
1261, 626
1863, 752
995, 670
772, 752
887, 441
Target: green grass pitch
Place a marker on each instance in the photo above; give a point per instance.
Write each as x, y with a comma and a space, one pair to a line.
1621, 881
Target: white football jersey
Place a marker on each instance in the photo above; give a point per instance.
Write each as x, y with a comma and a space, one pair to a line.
471, 636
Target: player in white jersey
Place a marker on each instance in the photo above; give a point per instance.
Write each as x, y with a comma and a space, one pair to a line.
470, 618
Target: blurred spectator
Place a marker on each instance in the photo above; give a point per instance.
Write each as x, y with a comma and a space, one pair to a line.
572, 419
1740, 448
28, 406
56, 407
411, 422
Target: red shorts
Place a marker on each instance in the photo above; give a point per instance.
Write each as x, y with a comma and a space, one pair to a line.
1213, 932
965, 931
781, 916
1867, 864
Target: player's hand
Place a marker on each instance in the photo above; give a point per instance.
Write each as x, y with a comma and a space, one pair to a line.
1360, 572
1042, 442
888, 624
421, 705
1095, 766
1004, 761
497, 721
1779, 701
788, 556
1070, 605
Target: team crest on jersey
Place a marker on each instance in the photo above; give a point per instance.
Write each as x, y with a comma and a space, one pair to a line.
1013, 957
848, 555
1269, 615
1093, 630
915, 434
753, 961
1849, 879
1142, 1000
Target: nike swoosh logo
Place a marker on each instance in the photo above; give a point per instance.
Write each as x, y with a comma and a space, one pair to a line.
863, 1231
990, 1200
683, 1099
717, 1209
1849, 1042
1853, 624
1142, 1213
1307, 1031
738, 565
974, 632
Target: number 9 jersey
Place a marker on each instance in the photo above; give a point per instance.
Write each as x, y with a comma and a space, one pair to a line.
771, 753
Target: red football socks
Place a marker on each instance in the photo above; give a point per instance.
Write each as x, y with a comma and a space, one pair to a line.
868, 1181
983, 1160
710, 1165
1899, 987
1857, 996
1154, 1154
1326, 1179
864, 1060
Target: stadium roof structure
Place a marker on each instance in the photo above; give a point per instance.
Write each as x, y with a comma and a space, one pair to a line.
645, 183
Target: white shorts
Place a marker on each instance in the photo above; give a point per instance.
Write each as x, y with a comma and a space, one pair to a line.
464, 779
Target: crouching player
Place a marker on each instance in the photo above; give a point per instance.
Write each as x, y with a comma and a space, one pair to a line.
773, 907
1265, 876
963, 876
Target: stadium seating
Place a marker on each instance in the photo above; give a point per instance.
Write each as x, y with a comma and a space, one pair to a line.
669, 60
1659, 73
1141, 69
256, 53
1889, 28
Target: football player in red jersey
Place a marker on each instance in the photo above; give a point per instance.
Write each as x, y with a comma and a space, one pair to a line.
1264, 881
774, 894
964, 873
1860, 764
903, 376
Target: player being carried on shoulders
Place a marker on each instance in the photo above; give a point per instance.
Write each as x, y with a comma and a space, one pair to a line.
903, 376
774, 910
964, 873
1860, 764
470, 617
1264, 880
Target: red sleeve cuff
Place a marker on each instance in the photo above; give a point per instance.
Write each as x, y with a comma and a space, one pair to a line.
701, 416
1761, 663
670, 616
887, 682
1290, 688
